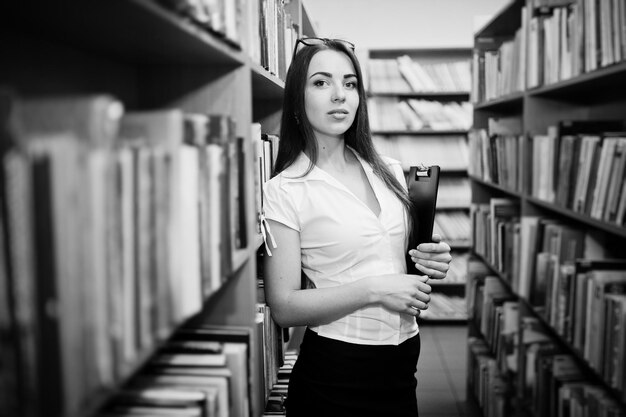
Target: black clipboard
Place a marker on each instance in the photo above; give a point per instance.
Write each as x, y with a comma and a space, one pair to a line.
423, 184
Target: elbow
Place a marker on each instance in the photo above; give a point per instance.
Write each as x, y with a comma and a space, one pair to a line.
280, 317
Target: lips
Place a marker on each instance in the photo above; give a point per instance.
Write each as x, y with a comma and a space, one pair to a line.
338, 112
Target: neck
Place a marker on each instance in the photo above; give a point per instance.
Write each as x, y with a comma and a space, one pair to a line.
333, 154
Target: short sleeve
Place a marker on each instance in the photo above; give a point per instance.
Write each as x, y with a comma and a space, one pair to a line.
278, 205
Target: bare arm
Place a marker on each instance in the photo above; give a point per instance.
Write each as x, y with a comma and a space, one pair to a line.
293, 306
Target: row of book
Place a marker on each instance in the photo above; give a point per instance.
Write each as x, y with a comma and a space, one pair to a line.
498, 66
265, 152
536, 370
203, 371
569, 280
555, 42
222, 18
458, 269
264, 29
116, 227
444, 307
577, 164
449, 152
392, 113
274, 339
583, 170
454, 192
277, 399
454, 227
488, 387
496, 153
273, 35
411, 75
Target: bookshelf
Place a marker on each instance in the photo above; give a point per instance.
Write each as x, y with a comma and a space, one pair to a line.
419, 112
540, 330
151, 59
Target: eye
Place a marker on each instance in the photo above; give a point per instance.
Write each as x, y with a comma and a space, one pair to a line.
320, 83
351, 85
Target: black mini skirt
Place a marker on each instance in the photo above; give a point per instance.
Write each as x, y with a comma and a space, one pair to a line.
335, 378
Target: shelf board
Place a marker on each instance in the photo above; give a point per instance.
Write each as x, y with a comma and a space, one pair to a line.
423, 132
459, 246
511, 193
505, 22
509, 102
97, 401
609, 79
240, 257
434, 283
265, 85
582, 218
426, 95
443, 320
134, 31
494, 270
452, 207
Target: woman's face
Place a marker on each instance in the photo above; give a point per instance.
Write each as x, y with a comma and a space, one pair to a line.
331, 97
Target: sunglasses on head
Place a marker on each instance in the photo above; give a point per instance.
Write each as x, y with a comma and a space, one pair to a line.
319, 41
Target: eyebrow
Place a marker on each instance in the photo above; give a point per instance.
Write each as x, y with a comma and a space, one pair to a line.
329, 75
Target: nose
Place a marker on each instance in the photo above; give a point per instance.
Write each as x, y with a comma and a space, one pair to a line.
339, 96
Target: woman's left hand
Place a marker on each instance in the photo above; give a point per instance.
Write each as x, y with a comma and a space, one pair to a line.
432, 259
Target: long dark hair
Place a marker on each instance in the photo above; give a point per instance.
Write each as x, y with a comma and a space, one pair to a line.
296, 133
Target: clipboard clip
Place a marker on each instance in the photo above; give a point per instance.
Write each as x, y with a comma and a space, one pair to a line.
422, 170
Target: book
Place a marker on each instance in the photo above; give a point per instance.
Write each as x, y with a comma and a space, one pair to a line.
600, 284
183, 383
189, 402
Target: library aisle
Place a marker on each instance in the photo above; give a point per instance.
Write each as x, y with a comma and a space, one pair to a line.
442, 370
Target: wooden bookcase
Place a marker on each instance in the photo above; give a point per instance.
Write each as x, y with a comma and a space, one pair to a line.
526, 112
412, 144
149, 57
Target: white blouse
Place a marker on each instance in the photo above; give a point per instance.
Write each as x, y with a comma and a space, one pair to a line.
342, 241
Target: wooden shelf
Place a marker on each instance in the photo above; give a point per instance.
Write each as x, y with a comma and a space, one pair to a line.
434, 283
503, 22
442, 320
423, 132
510, 102
610, 80
596, 95
135, 31
266, 86
425, 95
511, 193
582, 218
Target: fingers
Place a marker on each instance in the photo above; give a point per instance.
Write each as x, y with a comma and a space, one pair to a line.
436, 270
432, 259
434, 247
415, 306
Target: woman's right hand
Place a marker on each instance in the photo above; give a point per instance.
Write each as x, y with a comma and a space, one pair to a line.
403, 293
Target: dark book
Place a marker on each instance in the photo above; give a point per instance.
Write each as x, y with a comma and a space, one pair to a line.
241, 183
601, 283
617, 179
10, 402
568, 155
50, 370
614, 340
581, 297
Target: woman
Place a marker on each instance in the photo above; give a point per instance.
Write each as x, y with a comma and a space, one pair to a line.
338, 214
